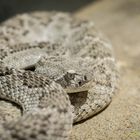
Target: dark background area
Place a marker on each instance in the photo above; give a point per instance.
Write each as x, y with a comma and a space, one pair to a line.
11, 7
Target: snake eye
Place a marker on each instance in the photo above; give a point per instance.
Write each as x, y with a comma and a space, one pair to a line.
85, 77
71, 74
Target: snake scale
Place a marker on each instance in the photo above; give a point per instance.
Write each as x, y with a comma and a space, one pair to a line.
58, 69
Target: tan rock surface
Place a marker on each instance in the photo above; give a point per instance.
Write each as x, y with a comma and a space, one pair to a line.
120, 21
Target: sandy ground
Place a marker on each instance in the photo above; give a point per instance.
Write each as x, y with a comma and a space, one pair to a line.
119, 21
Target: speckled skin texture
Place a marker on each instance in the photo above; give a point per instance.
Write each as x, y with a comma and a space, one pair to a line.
49, 60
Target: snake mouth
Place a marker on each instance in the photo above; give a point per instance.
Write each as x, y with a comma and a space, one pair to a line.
75, 90
83, 88
30, 68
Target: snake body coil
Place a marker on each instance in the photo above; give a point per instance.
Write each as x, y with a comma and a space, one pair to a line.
58, 69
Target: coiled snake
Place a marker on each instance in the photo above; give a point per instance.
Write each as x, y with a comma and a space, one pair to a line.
58, 68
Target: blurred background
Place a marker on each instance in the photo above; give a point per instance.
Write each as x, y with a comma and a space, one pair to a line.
11, 7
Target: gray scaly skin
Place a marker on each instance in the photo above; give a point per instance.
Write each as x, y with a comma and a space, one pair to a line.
39, 98
58, 69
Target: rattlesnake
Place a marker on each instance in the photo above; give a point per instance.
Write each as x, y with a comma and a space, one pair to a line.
58, 68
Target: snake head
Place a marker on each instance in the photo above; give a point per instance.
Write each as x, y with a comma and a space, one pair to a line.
65, 72
72, 81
